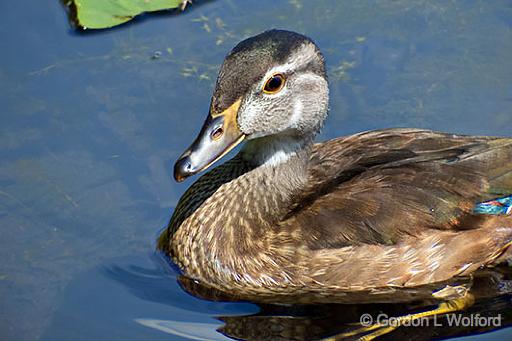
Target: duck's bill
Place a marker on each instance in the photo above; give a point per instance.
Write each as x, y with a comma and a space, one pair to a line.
220, 134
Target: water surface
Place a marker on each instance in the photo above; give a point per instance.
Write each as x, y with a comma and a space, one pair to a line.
90, 125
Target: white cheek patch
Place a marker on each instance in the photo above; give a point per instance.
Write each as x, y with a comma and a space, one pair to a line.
297, 113
254, 108
298, 104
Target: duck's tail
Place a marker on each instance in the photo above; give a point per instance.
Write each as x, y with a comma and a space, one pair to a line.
502, 185
493, 158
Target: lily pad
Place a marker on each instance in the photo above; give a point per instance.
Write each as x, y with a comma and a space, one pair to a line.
97, 14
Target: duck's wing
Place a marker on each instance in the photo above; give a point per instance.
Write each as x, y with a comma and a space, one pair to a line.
382, 186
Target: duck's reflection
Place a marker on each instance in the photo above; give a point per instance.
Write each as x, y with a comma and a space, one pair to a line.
340, 316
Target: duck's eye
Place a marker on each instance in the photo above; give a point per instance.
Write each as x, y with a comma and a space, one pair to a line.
217, 133
274, 84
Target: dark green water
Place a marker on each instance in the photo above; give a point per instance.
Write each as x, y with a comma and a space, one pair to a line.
91, 123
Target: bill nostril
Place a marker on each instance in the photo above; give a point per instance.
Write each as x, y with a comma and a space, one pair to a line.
188, 166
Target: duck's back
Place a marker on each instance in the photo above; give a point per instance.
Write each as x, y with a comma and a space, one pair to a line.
386, 189
375, 186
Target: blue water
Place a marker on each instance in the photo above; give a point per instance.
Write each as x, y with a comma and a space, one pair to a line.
91, 123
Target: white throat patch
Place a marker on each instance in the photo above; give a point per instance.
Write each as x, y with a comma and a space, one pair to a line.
271, 151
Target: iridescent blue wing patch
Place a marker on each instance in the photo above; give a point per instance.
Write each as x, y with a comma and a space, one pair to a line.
496, 206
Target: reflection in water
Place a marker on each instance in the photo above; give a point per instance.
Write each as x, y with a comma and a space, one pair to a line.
491, 288
190, 330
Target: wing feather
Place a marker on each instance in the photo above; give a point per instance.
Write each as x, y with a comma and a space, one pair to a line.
382, 186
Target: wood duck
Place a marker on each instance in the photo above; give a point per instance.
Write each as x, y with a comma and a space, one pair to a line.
382, 209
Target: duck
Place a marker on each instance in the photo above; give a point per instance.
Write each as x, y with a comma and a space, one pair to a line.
378, 210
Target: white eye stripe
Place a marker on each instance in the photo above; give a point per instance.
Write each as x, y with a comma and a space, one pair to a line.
299, 58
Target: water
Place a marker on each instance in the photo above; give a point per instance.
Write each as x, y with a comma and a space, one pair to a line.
90, 125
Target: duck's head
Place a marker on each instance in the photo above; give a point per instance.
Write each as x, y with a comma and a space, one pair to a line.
272, 85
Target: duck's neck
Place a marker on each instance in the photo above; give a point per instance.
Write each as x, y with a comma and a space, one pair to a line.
281, 160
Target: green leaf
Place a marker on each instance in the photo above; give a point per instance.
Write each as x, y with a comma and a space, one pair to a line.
96, 14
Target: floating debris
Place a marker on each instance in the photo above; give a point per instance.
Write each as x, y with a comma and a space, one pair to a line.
100, 14
156, 55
